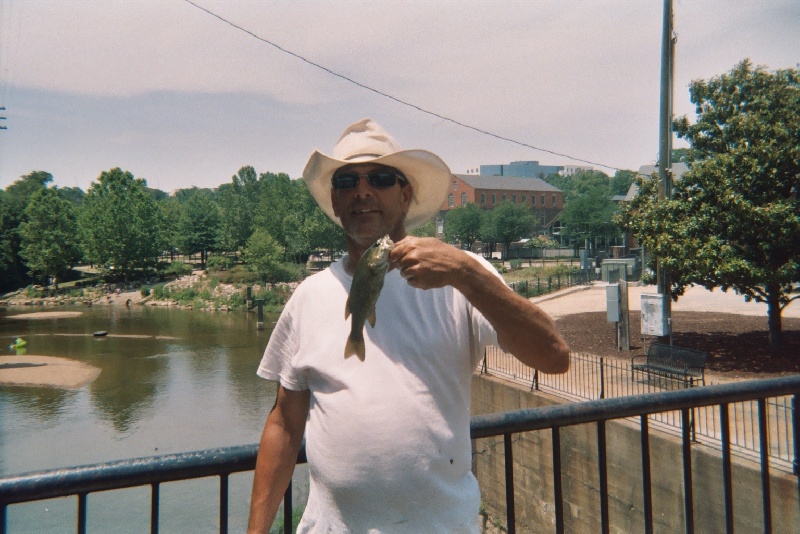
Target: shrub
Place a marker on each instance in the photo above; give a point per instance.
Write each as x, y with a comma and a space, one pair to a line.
178, 268
219, 263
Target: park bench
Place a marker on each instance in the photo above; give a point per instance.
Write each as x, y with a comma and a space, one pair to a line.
669, 361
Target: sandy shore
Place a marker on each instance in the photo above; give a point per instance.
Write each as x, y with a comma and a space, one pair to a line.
39, 316
45, 371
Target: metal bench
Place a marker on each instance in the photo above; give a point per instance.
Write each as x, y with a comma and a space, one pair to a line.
686, 365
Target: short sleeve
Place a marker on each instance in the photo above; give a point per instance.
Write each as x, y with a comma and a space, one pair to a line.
277, 364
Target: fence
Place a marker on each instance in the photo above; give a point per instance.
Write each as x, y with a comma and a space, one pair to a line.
79, 482
541, 286
593, 377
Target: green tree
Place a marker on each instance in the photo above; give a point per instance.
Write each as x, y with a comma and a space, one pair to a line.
120, 223
12, 214
317, 230
734, 219
264, 255
425, 230
198, 229
49, 237
590, 215
621, 182
463, 224
507, 222
238, 200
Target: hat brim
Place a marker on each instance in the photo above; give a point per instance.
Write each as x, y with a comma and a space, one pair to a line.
426, 172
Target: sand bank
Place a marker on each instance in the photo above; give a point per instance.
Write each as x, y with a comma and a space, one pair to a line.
45, 371
38, 316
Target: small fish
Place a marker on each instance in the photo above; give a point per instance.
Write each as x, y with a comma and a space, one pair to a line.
367, 285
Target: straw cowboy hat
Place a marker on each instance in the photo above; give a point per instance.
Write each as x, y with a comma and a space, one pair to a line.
367, 142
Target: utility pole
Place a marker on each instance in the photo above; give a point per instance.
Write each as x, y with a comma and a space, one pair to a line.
665, 155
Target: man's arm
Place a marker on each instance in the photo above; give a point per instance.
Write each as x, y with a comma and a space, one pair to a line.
277, 455
523, 329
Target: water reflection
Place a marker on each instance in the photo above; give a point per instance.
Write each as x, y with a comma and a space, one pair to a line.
170, 381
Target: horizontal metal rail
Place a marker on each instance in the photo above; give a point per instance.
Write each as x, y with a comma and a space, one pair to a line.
80, 481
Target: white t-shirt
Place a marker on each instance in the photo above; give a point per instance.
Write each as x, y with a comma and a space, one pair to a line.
387, 439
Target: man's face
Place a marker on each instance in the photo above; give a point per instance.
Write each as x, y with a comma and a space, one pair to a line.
367, 212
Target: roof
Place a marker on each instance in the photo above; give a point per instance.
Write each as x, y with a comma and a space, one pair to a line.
678, 170
507, 183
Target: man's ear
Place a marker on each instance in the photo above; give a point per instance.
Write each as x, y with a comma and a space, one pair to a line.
335, 202
407, 194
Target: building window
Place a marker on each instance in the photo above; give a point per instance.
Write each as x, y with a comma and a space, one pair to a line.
494, 199
514, 199
463, 199
455, 185
533, 201
504, 197
483, 199
452, 201
543, 204
554, 201
524, 199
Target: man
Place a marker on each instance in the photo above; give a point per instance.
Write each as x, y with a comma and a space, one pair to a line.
387, 439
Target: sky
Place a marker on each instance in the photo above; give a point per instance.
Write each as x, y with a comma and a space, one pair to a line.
173, 94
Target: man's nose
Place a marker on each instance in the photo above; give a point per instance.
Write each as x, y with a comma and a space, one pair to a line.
363, 189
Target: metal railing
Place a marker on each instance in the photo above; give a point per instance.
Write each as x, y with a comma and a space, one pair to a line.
541, 286
594, 377
81, 481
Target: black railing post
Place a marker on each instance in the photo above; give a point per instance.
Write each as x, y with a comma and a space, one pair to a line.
647, 488
602, 380
603, 472
688, 491
82, 513
509, 459
796, 427
287, 510
558, 492
154, 507
727, 475
223, 504
766, 498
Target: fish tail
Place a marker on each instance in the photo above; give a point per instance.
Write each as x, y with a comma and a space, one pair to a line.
355, 346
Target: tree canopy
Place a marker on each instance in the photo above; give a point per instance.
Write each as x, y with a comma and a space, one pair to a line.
120, 223
49, 236
734, 219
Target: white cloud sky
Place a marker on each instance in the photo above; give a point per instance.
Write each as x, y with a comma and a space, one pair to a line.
176, 96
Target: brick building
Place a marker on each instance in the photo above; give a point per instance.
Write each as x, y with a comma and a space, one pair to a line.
544, 200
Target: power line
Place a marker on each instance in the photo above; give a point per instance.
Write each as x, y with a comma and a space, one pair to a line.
394, 98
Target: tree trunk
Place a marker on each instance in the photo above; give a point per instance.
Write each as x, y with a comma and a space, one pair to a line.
774, 316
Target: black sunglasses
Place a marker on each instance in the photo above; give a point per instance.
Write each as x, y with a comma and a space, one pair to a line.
376, 179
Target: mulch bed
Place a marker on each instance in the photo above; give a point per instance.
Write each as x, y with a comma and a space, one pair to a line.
738, 345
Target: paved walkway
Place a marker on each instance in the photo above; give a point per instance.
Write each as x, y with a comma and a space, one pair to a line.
592, 298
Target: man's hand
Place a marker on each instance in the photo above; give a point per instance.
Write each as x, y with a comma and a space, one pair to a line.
523, 329
427, 262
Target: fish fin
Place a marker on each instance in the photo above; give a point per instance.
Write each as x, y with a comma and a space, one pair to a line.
355, 346
347, 308
372, 317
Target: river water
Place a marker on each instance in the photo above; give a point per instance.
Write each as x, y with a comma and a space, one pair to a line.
171, 381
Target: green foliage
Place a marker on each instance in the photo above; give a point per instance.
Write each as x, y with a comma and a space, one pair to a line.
219, 263
426, 230
177, 268
13, 202
541, 241
733, 221
463, 224
506, 222
120, 223
48, 237
590, 214
198, 227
